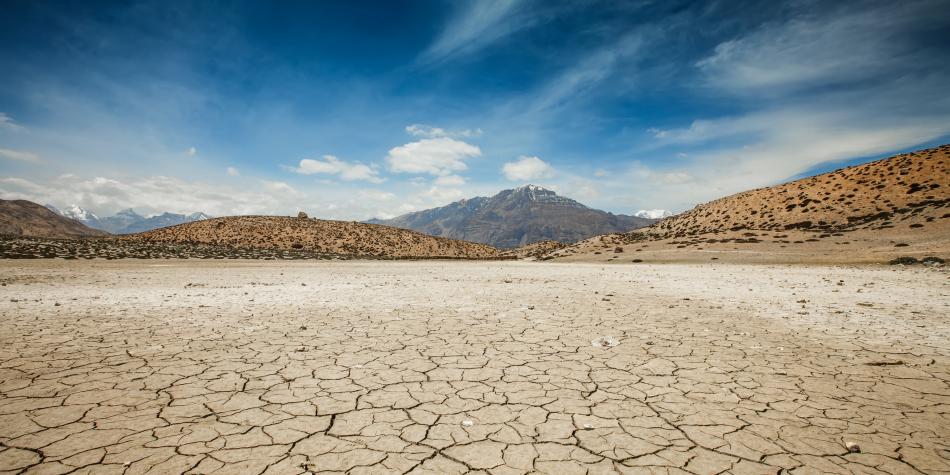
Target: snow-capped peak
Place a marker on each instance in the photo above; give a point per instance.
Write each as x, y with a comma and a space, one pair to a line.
653, 213
78, 213
198, 216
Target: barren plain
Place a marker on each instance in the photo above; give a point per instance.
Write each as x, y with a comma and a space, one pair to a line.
472, 367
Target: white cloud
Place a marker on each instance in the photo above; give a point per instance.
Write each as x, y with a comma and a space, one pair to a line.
279, 187
428, 131
156, 194
450, 180
527, 168
438, 196
20, 155
331, 165
231, 171
7, 122
438, 156
191, 152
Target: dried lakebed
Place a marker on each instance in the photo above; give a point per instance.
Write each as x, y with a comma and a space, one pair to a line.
483, 367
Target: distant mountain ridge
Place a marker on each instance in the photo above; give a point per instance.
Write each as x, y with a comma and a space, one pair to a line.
126, 221
516, 217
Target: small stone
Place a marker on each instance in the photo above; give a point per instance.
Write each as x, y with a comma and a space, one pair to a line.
467, 423
604, 342
301, 215
588, 426
853, 447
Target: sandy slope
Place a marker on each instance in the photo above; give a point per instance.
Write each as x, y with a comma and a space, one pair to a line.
899, 206
367, 367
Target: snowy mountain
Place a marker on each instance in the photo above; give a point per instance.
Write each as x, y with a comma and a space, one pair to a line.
126, 221
653, 213
515, 218
78, 213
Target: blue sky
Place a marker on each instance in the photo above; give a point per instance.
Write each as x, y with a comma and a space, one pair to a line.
351, 110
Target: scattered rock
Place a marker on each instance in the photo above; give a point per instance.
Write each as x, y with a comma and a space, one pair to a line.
301, 215
884, 363
467, 423
853, 447
604, 342
904, 261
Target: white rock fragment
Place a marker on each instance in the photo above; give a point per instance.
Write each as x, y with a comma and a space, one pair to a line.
467, 423
852, 447
604, 342
588, 426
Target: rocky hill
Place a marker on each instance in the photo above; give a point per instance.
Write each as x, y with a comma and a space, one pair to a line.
315, 235
871, 212
26, 218
516, 217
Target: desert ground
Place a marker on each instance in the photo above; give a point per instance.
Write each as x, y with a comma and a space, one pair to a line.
174, 366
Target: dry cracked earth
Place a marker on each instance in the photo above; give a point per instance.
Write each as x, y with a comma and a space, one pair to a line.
455, 367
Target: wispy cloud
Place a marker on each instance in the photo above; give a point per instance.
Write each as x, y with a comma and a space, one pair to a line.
428, 131
590, 71
19, 155
844, 45
477, 25
7, 122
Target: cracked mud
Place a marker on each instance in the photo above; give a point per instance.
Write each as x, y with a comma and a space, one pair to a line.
435, 367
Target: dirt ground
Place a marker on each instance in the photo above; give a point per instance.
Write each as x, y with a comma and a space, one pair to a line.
472, 367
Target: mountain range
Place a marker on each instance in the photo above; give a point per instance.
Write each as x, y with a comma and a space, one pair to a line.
517, 217
126, 221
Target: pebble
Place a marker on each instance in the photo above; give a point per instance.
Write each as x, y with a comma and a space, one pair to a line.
852, 447
467, 423
604, 342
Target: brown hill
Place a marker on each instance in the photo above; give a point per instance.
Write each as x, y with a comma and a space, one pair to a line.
337, 237
866, 213
26, 218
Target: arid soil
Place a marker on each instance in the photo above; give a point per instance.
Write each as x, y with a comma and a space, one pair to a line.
454, 367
